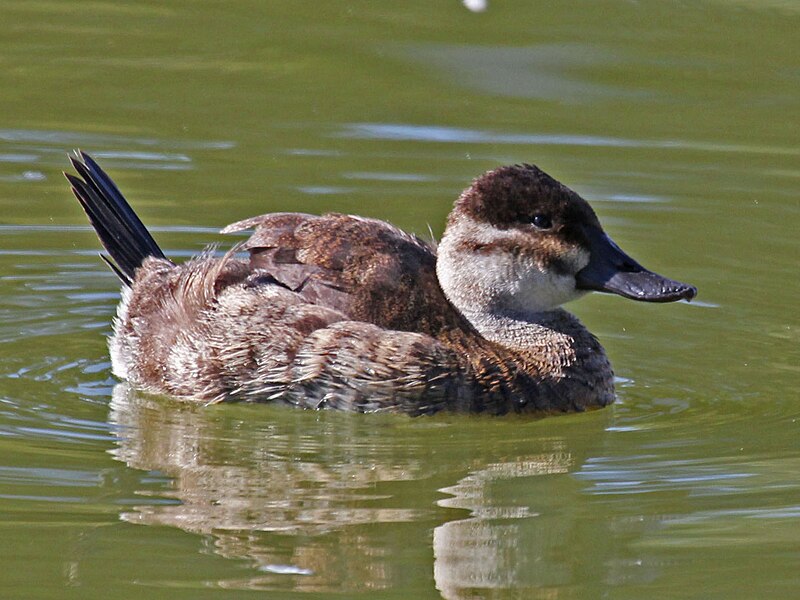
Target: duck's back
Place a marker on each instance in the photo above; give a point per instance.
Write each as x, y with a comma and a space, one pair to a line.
367, 269
327, 311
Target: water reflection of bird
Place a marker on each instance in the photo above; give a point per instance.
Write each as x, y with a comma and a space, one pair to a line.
324, 503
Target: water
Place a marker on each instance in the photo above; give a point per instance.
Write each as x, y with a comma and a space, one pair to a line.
678, 121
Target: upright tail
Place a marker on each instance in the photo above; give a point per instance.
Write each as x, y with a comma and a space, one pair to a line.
120, 231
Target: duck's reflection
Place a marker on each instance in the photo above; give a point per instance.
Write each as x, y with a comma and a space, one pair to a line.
306, 496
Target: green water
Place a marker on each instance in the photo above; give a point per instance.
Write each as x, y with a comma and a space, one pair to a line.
679, 121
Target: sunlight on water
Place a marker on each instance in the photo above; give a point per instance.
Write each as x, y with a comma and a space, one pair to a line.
418, 133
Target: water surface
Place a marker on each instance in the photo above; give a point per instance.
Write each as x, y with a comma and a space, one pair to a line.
679, 122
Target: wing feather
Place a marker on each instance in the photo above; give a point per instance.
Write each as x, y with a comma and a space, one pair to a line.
367, 269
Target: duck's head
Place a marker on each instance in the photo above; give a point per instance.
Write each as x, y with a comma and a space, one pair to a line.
518, 241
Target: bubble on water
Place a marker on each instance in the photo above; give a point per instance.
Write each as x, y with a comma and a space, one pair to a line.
476, 5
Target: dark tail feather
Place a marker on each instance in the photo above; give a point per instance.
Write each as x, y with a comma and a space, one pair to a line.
120, 231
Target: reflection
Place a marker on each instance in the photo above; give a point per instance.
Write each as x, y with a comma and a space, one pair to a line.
266, 493
341, 502
484, 550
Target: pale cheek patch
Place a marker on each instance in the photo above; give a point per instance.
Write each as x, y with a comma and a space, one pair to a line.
486, 270
541, 290
560, 259
545, 277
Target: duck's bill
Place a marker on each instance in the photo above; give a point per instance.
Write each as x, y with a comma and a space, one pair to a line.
611, 270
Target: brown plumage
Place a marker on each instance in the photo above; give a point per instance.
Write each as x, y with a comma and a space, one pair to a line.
344, 312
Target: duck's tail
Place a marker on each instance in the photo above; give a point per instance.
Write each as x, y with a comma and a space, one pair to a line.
120, 231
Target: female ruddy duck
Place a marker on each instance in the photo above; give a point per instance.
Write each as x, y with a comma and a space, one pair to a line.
339, 311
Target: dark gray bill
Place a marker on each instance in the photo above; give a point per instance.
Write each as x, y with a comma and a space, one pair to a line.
611, 270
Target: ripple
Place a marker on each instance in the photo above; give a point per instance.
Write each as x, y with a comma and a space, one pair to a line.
49, 477
440, 134
29, 146
71, 138
18, 158
377, 176
649, 472
324, 190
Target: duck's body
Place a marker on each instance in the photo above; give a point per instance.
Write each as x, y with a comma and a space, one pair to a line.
351, 313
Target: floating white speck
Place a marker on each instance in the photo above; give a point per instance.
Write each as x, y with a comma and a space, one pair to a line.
476, 5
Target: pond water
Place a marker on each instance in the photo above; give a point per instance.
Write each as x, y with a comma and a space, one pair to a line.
680, 123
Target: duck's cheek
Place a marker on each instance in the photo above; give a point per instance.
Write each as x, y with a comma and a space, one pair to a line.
562, 259
546, 290
548, 281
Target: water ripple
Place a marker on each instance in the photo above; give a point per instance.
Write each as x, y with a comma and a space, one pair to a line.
29, 146
433, 133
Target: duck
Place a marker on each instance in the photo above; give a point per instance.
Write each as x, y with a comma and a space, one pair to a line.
351, 313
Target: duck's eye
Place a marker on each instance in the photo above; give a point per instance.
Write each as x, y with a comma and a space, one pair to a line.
542, 221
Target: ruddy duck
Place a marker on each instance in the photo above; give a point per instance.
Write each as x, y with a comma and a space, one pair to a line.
340, 311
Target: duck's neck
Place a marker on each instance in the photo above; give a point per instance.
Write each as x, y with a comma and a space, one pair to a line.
550, 360
552, 337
